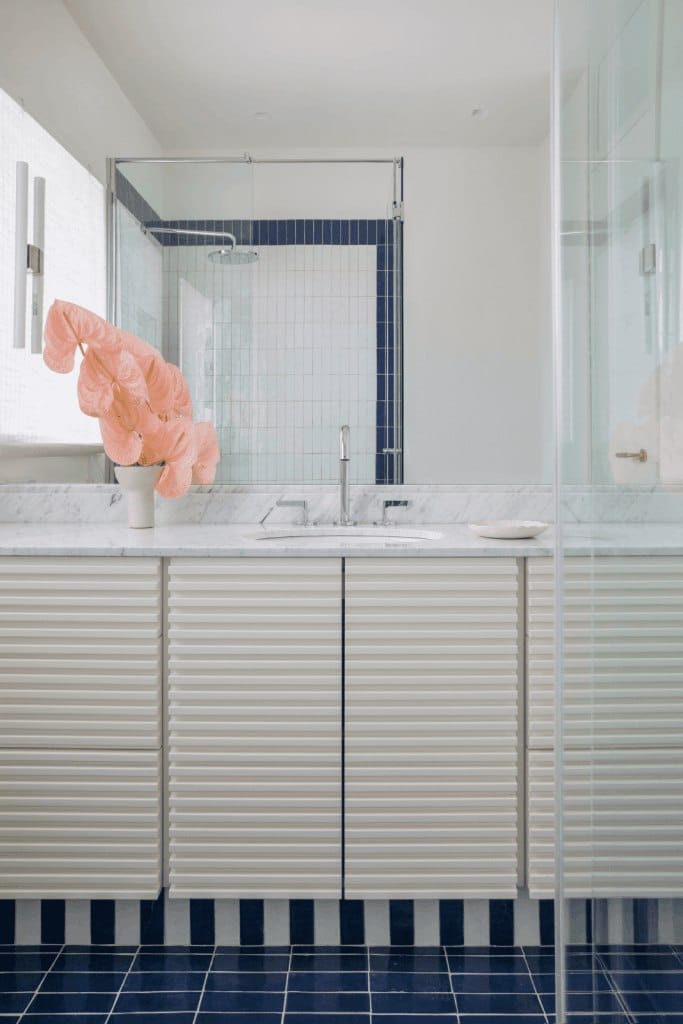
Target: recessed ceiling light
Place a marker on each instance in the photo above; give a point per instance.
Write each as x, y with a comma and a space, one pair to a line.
478, 113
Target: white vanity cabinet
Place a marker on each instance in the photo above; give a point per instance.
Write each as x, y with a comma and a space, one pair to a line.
255, 691
623, 749
431, 727
80, 727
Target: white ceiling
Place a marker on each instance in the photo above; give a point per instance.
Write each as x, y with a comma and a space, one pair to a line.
328, 72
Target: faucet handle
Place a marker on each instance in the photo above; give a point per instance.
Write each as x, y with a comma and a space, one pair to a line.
393, 503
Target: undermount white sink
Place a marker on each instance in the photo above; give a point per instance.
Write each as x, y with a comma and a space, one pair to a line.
356, 534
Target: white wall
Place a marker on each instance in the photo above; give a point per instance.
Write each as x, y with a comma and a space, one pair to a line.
48, 66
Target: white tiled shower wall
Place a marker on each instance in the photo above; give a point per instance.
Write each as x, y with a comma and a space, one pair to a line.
292, 340
36, 404
140, 290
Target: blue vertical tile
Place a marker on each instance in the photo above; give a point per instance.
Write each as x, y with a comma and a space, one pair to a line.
382, 311
301, 926
451, 922
52, 913
382, 286
202, 927
272, 232
640, 921
152, 921
102, 922
344, 231
502, 922
290, 232
372, 232
390, 231
589, 921
362, 232
282, 232
251, 922
308, 232
402, 922
327, 232
381, 257
381, 232
352, 922
318, 232
256, 232
7, 922
353, 232
300, 231
546, 918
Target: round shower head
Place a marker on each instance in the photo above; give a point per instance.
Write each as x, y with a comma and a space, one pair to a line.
231, 257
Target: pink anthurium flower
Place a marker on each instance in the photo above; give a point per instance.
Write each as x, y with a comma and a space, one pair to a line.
142, 402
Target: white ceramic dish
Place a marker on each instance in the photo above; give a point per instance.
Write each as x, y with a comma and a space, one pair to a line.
509, 529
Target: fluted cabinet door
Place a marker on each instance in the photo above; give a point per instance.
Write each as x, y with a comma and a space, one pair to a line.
255, 727
431, 727
623, 726
80, 727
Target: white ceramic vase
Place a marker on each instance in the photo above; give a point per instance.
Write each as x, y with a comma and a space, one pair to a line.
138, 483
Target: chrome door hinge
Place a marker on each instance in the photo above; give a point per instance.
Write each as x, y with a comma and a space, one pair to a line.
648, 259
397, 210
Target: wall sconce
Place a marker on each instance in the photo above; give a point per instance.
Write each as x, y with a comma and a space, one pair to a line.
29, 259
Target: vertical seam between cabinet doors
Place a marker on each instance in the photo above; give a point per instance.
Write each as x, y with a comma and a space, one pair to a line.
165, 772
343, 728
522, 716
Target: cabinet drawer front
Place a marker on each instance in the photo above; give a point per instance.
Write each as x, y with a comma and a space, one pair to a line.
255, 735
431, 727
80, 652
80, 824
623, 823
623, 652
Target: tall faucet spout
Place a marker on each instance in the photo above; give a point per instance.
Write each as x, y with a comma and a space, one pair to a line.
344, 465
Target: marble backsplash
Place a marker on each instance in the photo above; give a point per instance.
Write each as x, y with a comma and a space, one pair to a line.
93, 503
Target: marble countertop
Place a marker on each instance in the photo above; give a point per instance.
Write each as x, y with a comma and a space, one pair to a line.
247, 540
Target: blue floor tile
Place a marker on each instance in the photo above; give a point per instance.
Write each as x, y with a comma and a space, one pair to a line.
466, 964
485, 983
148, 1002
422, 950
422, 1018
64, 1018
641, 961
242, 1002
328, 1002
506, 1019
80, 981
206, 950
73, 1002
330, 1018
265, 950
585, 1002
249, 962
395, 981
606, 1018
580, 981
158, 1018
26, 961
496, 1003
14, 982
654, 1002
43, 947
318, 981
329, 962
650, 981
101, 962
231, 1018
406, 962
247, 981
338, 950
171, 962
164, 981
484, 950
14, 1002
98, 948
413, 1002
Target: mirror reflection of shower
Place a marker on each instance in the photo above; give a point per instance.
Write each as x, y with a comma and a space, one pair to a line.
225, 256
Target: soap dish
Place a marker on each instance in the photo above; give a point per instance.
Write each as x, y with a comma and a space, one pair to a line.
509, 529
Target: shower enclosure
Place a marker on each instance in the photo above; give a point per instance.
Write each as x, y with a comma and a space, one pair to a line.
605, 641
277, 287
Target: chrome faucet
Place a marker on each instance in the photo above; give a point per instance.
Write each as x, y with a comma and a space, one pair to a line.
344, 499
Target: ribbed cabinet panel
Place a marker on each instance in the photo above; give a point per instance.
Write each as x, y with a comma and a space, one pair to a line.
623, 651
81, 824
431, 727
80, 652
255, 727
623, 823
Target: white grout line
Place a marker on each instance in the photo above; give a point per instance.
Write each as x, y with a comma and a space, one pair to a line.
450, 982
201, 994
533, 985
125, 978
284, 1001
369, 965
24, 1012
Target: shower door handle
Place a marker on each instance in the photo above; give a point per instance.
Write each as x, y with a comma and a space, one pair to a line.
639, 456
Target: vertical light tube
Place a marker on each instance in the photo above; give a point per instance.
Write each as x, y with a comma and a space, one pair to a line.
20, 244
37, 282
